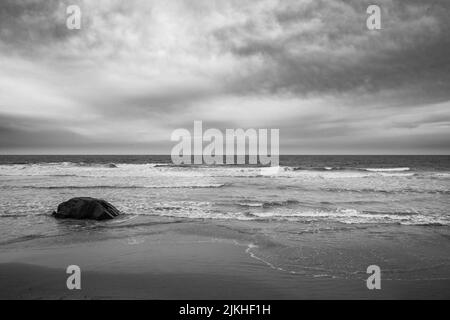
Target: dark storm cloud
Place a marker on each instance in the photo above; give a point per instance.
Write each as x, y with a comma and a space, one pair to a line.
324, 46
26, 132
25, 25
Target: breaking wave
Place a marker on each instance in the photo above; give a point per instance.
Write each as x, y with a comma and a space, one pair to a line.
70, 169
267, 204
345, 216
388, 169
213, 185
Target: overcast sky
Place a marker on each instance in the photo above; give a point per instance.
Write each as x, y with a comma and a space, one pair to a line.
139, 69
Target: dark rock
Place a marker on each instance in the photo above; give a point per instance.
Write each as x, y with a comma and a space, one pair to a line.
111, 165
86, 208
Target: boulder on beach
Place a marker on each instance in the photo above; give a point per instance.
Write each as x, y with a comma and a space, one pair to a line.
86, 208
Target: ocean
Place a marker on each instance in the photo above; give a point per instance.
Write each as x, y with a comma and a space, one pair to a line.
346, 200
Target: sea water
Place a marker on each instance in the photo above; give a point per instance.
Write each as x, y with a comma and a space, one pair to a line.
370, 199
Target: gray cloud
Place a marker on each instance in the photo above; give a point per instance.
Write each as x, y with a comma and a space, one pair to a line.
323, 46
27, 25
139, 69
25, 132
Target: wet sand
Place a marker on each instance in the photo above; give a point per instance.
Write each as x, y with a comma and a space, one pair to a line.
177, 261
22, 281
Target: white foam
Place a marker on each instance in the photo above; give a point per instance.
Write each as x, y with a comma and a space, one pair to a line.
271, 171
167, 170
347, 216
387, 169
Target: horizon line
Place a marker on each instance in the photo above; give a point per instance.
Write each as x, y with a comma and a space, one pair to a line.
224, 155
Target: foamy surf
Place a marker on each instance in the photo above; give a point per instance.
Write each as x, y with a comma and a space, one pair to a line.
345, 216
159, 169
388, 169
348, 192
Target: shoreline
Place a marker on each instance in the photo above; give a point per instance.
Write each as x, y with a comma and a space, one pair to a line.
184, 260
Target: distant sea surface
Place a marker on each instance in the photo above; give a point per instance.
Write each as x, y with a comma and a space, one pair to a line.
349, 189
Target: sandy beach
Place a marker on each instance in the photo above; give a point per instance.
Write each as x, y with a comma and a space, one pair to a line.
192, 260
